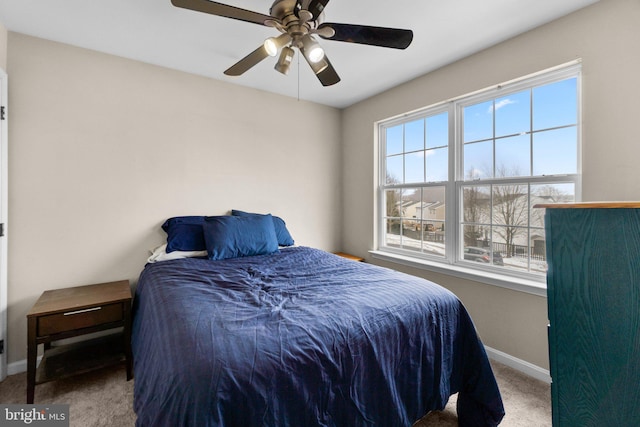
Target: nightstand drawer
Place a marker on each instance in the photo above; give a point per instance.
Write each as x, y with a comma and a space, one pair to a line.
78, 319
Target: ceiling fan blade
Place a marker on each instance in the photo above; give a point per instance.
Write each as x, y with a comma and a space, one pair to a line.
328, 76
316, 7
247, 62
376, 36
224, 10
255, 57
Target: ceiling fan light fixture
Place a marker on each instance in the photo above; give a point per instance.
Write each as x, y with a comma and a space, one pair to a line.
284, 62
319, 66
271, 46
297, 20
312, 49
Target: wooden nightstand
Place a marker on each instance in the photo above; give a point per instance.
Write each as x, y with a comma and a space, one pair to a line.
349, 256
70, 312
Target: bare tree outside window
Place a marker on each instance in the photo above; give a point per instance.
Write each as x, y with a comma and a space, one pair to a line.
499, 218
510, 210
510, 214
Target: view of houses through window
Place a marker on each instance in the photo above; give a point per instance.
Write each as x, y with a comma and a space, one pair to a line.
460, 180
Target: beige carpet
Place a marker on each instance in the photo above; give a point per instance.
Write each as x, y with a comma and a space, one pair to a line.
104, 398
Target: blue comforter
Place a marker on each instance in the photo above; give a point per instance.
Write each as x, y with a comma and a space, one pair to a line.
302, 338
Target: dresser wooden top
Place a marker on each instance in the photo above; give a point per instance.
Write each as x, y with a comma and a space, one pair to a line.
79, 297
590, 205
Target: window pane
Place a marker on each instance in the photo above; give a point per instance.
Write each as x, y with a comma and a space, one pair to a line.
478, 247
553, 193
414, 164
393, 201
410, 236
549, 193
475, 235
538, 251
434, 198
414, 136
476, 204
438, 131
421, 225
478, 122
511, 207
513, 114
392, 235
437, 164
400, 231
555, 152
395, 170
513, 156
511, 245
555, 104
433, 225
394, 140
483, 253
478, 160
411, 210
411, 206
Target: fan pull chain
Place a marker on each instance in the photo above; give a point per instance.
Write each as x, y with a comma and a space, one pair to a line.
298, 57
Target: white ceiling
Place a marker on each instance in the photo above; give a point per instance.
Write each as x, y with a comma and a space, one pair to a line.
156, 32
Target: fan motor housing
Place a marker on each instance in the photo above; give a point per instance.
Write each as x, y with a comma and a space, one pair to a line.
282, 8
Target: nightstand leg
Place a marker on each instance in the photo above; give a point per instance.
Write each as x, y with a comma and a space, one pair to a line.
127, 341
32, 353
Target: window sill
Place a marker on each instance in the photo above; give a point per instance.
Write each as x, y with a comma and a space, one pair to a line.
529, 286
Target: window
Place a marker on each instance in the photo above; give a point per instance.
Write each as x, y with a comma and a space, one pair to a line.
416, 164
458, 181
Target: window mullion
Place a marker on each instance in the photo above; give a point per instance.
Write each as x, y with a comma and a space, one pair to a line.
531, 131
529, 254
453, 202
404, 155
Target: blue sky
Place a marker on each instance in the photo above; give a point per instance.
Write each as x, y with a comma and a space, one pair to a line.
526, 140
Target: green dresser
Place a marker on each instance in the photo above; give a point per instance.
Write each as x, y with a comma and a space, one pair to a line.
593, 252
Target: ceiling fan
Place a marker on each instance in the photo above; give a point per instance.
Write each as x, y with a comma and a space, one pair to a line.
298, 21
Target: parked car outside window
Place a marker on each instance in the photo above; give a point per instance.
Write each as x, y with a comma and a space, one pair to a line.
473, 253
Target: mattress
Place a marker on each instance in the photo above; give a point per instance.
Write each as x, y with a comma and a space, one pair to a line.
302, 337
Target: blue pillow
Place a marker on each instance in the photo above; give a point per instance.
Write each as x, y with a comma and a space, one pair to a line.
239, 236
184, 233
284, 237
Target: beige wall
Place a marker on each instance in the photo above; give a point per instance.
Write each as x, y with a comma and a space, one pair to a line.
607, 38
104, 149
3, 47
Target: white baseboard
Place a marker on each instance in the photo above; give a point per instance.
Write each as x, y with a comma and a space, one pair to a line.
519, 365
17, 367
20, 366
497, 355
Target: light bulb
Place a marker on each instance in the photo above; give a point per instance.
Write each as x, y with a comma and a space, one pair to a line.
312, 50
316, 54
270, 46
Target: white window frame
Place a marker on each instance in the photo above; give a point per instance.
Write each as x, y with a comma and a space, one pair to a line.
452, 264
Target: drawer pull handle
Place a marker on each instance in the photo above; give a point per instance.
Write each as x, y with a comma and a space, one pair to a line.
82, 311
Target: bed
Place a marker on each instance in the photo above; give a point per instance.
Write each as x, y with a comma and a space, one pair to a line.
302, 337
